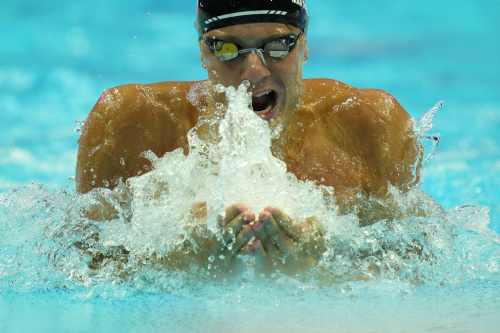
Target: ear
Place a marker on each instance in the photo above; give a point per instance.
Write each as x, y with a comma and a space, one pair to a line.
201, 52
306, 53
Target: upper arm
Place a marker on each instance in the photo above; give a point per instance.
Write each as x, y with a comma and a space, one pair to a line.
125, 122
374, 140
104, 145
394, 145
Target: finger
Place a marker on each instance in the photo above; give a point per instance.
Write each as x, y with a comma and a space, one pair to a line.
230, 213
227, 257
240, 241
275, 233
267, 243
235, 226
263, 262
283, 221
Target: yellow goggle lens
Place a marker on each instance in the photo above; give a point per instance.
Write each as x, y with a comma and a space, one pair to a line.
226, 48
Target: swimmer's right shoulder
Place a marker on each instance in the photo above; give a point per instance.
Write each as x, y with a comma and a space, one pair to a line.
128, 99
137, 93
120, 99
126, 121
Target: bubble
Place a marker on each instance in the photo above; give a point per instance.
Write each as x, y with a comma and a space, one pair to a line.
219, 88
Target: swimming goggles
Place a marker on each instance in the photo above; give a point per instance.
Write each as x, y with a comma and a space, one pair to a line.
278, 48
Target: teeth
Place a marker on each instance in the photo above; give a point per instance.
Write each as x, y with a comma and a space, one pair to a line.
263, 93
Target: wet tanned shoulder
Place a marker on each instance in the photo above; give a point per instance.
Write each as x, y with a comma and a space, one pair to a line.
127, 121
354, 139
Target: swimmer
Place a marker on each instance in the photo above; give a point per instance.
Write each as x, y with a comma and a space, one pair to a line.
356, 140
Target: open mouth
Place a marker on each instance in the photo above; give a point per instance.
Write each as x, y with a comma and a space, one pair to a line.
265, 103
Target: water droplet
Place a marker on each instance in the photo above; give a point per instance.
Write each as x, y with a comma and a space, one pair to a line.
219, 87
211, 259
425, 122
79, 125
122, 161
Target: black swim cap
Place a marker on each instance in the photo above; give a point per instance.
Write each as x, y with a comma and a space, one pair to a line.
214, 14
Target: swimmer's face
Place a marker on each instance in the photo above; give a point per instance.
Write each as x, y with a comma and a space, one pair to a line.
276, 88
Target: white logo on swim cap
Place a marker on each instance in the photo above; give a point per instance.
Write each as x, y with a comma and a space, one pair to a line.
299, 2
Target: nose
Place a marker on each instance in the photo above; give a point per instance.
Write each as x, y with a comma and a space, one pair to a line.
254, 68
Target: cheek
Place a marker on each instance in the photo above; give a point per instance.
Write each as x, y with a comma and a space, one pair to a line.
225, 74
290, 69
211, 65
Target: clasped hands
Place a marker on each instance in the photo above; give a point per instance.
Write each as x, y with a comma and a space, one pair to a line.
276, 243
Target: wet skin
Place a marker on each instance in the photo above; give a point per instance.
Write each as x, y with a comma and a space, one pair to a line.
281, 75
355, 140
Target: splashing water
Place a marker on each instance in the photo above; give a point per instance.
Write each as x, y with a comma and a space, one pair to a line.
429, 143
48, 243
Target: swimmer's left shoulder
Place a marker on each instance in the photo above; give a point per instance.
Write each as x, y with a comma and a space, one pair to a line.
380, 105
370, 102
324, 87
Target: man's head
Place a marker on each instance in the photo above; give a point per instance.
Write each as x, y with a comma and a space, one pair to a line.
262, 41
214, 14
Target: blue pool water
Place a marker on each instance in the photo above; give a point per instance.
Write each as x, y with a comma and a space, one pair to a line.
56, 58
